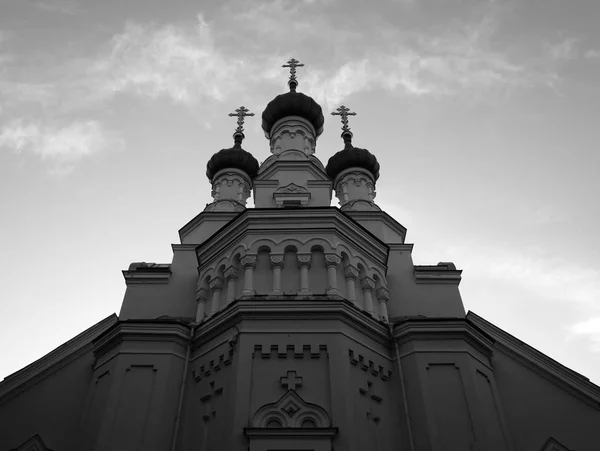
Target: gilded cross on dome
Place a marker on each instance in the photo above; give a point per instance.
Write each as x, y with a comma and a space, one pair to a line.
241, 113
293, 64
344, 112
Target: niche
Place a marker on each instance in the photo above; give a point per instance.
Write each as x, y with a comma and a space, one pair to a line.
290, 275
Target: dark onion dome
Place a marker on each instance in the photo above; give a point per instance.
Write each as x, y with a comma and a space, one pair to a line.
236, 158
293, 104
352, 157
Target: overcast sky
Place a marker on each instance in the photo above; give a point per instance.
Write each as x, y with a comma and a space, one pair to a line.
483, 115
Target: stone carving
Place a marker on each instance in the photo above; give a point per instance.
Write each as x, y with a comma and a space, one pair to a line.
304, 260
248, 261
201, 295
290, 381
383, 294
332, 260
276, 261
290, 411
231, 273
216, 284
367, 284
351, 272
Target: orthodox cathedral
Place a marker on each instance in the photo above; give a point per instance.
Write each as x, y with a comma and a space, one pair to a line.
295, 325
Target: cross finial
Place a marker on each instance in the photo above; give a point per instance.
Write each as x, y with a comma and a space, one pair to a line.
293, 64
241, 113
344, 112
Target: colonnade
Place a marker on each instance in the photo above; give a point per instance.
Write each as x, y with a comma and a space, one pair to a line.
209, 295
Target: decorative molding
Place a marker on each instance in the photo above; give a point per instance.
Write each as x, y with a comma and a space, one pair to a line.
35, 443
19, 381
332, 260
442, 273
296, 351
142, 272
550, 369
248, 261
290, 433
290, 381
216, 284
369, 366
554, 445
351, 272
382, 294
214, 365
291, 410
367, 283
201, 295
304, 260
231, 272
276, 261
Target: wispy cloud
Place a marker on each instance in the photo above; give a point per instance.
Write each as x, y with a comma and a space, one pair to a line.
564, 50
63, 145
592, 54
60, 6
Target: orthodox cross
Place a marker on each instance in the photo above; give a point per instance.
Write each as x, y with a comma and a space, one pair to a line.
369, 393
209, 411
241, 113
293, 64
344, 112
291, 381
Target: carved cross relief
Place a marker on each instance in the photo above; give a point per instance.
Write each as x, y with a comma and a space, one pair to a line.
375, 400
291, 382
207, 401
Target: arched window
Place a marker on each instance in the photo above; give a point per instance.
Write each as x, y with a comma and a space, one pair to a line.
273, 423
308, 423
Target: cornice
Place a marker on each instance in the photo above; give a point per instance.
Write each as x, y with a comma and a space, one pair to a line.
183, 247
296, 308
147, 276
168, 330
54, 360
401, 247
380, 216
543, 365
442, 329
321, 219
300, 165
206, 216
442, 273
290, 432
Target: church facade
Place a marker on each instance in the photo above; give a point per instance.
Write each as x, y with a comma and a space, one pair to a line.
295, 325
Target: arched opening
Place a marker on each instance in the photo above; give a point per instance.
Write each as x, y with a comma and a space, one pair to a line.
290, 275
263, 275
318, 271
308, 423
273, 423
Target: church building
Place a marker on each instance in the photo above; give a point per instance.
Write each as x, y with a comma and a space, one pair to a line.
296, 326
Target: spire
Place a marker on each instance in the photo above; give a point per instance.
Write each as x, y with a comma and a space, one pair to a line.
344, 112
238, 135
293, 64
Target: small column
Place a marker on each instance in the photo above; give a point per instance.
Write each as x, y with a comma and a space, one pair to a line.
368, 285
249, 263
304, 264
351, 273
201, 298
216, 285
383, 296
276, 265
332, 261
231, 275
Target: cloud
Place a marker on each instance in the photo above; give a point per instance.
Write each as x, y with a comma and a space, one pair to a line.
592, 54
564, 50
63, 146
590, 329
181, 64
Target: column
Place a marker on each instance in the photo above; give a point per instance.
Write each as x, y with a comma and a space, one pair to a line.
201, 298
368, 285
304, 264
276, 265
383, 296
351, 273
332, 261
249, 263
231, 275
216, 285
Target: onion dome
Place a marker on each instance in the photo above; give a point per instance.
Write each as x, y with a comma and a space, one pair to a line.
235, 158
293, 104
352, 157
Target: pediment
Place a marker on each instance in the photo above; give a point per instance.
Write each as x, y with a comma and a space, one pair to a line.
35, 443
291, 411
554, 445
291, 188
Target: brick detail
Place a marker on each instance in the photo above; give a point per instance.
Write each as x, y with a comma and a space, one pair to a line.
369, 366
285, 351
205, 368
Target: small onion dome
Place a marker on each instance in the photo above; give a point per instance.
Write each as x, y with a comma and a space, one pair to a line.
236, 158
293, 104
352, 157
